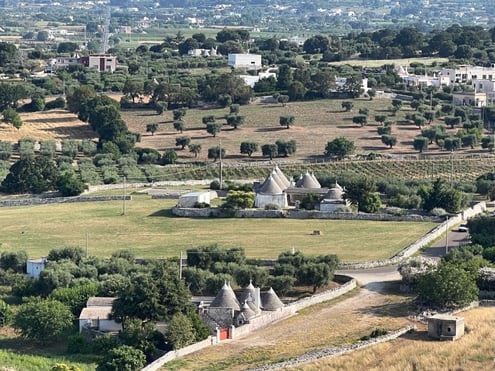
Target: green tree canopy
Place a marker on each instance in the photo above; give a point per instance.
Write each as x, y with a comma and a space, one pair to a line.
122, 358
449, 286
181, 331
43, 320
339, 147
30, 174
269, 150
249, 148
440, 195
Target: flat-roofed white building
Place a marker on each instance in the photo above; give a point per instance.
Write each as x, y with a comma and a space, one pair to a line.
245, 61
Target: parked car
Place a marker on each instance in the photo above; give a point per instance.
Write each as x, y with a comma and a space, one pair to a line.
463, 228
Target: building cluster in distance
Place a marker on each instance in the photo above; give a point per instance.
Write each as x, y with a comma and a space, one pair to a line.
481, 81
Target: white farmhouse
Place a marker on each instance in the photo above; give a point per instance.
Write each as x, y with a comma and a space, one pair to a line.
465, 73
252, 80
96, 315
245, 61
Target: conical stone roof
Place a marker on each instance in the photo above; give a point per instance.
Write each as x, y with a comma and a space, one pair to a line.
282, 176
307, 181
270, 187
315, 180
253, 307
334, 194
270, 301
278, 179
226, 299
248, 293
247, 311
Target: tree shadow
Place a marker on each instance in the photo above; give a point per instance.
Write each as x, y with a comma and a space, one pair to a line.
147, 114
395, 310
167, 213
52, 120
348, 126
265, 130
375, 148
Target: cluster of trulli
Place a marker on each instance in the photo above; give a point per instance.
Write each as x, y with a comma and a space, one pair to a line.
278, 190
227, 310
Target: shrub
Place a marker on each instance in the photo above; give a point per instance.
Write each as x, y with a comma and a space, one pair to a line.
215, 185
54, 104
374, 334
272, 207
394, 210
438, 211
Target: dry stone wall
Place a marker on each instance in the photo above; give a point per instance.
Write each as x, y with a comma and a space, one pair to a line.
61, 200
334, 351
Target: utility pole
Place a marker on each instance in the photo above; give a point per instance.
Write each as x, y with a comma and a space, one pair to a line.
123, 199
447, 236
221, 165
180, 265
87, 244
452, 169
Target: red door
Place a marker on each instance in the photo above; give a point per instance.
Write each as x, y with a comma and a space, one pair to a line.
224, 333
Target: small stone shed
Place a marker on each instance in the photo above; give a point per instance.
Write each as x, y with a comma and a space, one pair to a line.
445, 327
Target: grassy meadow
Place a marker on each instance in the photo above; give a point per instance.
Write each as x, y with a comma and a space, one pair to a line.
151, 231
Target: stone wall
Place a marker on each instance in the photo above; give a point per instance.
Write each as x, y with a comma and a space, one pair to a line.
170, 356
313, 214
300, 214
173, 183
60, 200
421, 242
334, 351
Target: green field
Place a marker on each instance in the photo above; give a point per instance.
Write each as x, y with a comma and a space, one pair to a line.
150, 231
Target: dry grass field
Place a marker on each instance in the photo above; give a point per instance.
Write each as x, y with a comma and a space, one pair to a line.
316, 123
53, 124
346, 320
474, 351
